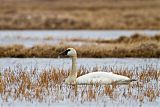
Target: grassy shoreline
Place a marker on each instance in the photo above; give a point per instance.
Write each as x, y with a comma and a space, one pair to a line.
91, 14
134, 46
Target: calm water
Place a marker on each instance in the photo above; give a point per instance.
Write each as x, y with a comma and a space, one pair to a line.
33, 37
108, 34
30, 38
46, 63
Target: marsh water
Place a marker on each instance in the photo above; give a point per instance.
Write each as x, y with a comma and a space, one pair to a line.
42, 64
35, 37
30, 38
65, 63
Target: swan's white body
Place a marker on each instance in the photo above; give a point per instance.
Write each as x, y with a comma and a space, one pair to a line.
102, 78
93, 77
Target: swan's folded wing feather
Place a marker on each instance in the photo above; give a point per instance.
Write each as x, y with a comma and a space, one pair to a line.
93, 78
100, 77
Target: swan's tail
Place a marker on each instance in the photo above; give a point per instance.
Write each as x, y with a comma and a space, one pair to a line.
132, 80
126, 82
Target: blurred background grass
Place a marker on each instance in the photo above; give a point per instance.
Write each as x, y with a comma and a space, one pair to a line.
79, 14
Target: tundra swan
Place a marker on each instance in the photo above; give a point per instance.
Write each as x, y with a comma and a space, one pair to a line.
93, 77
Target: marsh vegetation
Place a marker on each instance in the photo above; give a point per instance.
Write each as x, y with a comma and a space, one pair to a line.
28, 82
48, 86
23, 81
59, 14
137, 45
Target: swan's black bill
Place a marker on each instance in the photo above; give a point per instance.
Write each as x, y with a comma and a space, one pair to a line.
64, 52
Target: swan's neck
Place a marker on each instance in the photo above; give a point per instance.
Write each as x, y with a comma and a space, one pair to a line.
73, 72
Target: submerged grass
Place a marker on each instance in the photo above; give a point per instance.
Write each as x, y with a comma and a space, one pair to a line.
48, 86
135, 46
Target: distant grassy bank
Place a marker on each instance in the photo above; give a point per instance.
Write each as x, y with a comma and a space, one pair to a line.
78, 14
134, 46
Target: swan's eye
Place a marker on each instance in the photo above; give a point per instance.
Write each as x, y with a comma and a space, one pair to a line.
68, 50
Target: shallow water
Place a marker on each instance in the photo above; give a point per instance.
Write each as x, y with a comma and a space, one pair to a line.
34, 37
30, 38
65, 63
107, 34
54, 99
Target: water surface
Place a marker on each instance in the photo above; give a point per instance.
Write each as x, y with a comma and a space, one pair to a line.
101, 99
35, 37
65, 63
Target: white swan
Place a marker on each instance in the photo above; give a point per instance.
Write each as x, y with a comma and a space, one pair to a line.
93, 77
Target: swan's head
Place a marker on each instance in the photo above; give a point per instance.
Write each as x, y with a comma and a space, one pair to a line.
71, 52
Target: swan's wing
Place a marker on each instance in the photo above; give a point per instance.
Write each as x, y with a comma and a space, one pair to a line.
100, 77
94, 78
117, 77
94, 81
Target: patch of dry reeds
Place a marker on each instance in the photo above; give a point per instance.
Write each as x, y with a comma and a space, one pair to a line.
48, 86
134, 46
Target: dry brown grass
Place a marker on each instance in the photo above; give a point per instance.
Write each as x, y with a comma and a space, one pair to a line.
91, 14
135, 38
134, 46
48, 86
